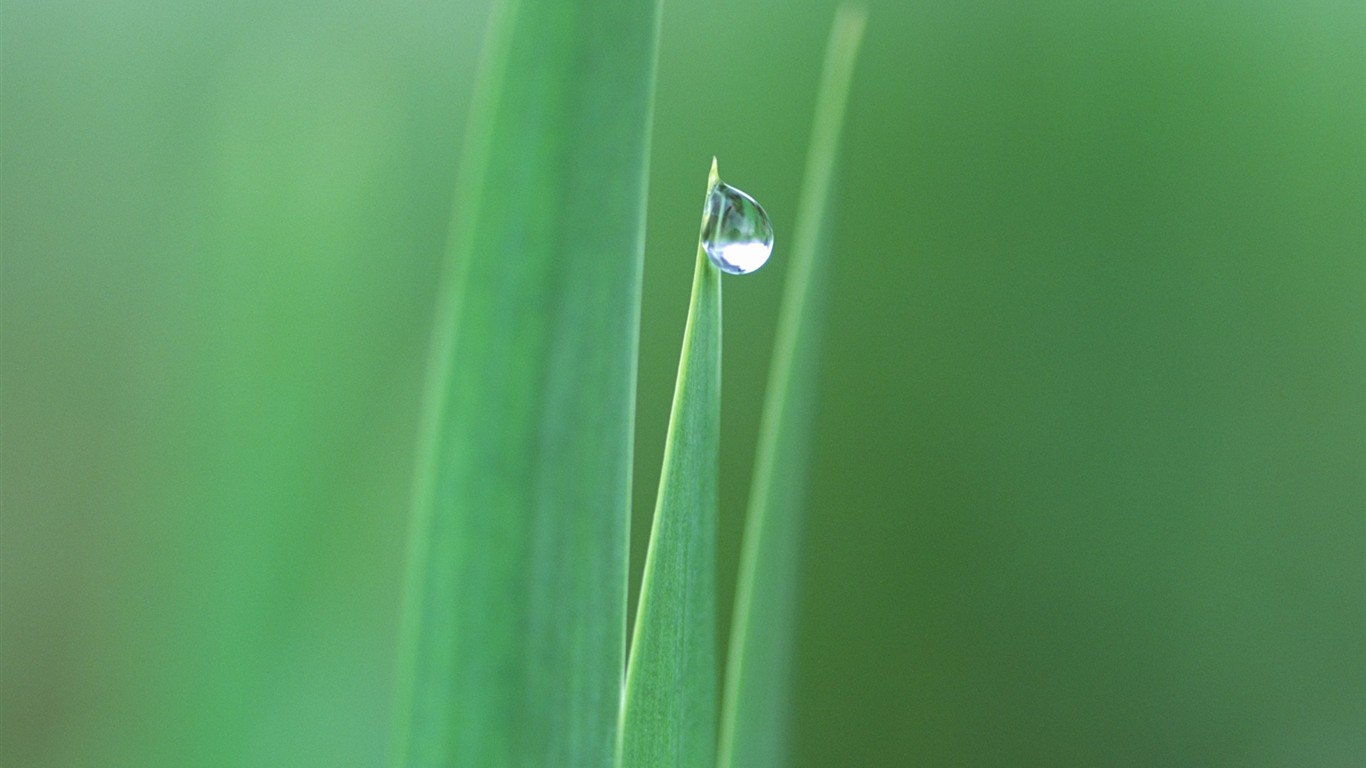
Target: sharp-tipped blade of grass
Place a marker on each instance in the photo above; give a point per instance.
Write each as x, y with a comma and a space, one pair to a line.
755, 712
514, 629
669, 718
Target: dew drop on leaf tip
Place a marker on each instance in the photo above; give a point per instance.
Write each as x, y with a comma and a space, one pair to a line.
736, 232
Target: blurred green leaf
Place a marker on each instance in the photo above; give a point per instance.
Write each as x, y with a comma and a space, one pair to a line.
757, 699
515, 618
669, 715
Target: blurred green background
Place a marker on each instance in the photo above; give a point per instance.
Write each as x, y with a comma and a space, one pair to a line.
1090, 478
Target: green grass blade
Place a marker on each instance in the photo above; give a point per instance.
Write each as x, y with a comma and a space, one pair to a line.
754, 723
669, 718
514, 628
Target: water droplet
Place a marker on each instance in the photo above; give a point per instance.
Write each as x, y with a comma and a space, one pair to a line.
735, 231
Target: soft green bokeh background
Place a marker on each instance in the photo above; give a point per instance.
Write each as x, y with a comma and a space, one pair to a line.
1090, 484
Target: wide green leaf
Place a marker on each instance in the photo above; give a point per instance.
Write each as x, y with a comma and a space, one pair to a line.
754, 724
514, 630
669, 717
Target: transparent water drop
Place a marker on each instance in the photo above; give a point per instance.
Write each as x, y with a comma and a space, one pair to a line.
735, 231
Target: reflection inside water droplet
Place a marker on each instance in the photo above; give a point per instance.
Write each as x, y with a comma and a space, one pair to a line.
735, 231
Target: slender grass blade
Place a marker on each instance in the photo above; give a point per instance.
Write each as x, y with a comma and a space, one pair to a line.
669, 718
755, 712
